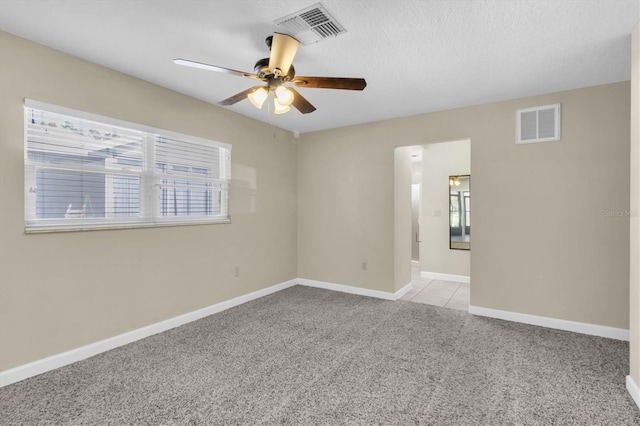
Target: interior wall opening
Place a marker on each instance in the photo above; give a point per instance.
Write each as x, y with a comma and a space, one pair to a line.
440, 265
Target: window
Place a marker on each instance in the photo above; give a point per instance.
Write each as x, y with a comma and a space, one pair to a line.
467, 209
454, 204
84, 171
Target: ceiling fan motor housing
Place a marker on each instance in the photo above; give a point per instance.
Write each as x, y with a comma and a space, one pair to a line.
261, 69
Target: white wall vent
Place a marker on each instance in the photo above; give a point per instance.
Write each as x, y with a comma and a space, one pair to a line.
310, 25
538, 124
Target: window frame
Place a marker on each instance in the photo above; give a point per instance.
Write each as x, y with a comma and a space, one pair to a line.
150, 180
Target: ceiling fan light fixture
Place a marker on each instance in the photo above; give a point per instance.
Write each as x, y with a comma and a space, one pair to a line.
284, 96
279, 108
258, 96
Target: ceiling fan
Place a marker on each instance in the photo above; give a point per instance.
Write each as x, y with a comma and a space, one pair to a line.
276, 71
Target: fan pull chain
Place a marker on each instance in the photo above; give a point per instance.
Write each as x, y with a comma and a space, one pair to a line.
270, 102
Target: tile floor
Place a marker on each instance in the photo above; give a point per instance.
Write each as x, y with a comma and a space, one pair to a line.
434, 292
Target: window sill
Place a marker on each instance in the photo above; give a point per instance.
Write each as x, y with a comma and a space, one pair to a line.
111, 226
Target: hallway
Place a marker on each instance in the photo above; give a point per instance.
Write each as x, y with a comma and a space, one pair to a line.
446, 294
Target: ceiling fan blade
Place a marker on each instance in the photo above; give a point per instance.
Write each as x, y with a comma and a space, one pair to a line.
300, 103
208, 67
330, 83
283, 49
238, 96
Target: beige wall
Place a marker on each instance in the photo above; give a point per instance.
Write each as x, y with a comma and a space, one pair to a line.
346, 190
439, 161
59, 291
635, 208
569, 260
62, 290
402, 216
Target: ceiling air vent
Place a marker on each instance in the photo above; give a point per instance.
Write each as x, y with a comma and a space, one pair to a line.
539, 124
310, 25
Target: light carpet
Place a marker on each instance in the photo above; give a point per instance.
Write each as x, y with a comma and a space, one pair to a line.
307, 356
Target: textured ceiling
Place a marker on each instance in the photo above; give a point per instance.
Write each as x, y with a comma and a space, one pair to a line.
417, 56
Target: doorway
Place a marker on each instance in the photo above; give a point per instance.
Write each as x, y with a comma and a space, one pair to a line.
416, 185
439, 275
415, 222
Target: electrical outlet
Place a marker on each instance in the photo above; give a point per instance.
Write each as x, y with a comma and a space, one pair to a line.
364, 266
236, 271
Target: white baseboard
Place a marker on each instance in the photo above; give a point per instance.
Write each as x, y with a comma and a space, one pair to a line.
559, 324
31, 369
404, 290
634, 390
356, 290
445, 277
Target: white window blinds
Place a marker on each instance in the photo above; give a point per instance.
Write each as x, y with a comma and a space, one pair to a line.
86, 172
